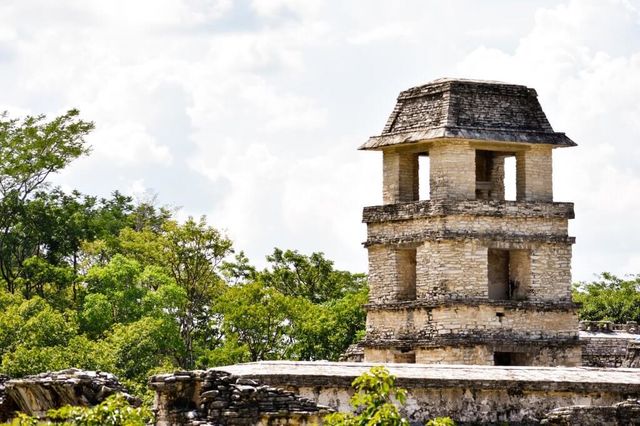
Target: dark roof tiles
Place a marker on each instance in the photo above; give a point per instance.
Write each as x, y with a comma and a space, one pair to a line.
469, 109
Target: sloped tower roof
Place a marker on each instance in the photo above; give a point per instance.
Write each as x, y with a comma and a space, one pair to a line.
468, 109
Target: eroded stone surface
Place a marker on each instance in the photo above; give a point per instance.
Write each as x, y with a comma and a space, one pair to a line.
458, 108
624, 413
217, 398
34, 395
469, 394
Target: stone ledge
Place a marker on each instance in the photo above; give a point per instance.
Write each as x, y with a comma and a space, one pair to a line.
430, 208
507, 338
331, 374
537, 305
462, 236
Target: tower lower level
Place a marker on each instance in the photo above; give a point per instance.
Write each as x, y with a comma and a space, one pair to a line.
471, 282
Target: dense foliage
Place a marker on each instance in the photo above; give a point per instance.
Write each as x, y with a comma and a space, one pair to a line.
609, 298
104, 283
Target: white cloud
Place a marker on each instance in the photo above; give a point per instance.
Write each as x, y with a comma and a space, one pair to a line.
251, 111
589, 89
126, 143
388, 32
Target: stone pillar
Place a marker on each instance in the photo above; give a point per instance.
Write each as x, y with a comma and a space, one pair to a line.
400, 177
392, 274
497, 177
453, 173
534, 174
551, 272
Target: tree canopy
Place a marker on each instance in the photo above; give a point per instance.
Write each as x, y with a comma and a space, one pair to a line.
109, 284
609, 298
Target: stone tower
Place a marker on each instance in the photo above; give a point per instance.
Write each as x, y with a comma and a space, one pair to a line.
466, 277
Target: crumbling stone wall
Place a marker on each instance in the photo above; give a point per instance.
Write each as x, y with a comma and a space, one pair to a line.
632, 359
606, 344
7, 406
35, 395
625, 413
469, 394
218, 398
533, 174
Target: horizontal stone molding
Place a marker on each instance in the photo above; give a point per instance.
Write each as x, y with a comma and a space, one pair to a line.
477, 337
441, 208
486, 237
534, 305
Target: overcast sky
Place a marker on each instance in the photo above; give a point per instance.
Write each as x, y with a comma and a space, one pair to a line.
250, 112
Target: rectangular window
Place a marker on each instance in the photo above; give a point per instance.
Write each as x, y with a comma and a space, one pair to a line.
512, 358
509, 274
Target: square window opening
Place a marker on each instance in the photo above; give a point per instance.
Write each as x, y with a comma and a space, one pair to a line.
509, 274
490, 174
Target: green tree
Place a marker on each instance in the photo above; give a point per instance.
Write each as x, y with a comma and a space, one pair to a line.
373, 401
326, 331
142, 346
261, 319
191, 254
312, 277
113, 411
31, 149
609, 298
119, 282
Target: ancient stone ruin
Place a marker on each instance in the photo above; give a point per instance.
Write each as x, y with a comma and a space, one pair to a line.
35, 395
466, 277
217, 398
470, 294
470, 394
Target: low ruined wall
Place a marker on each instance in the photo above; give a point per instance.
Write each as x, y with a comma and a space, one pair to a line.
217, 398
468, 394
605, 344
624, 414
35, 395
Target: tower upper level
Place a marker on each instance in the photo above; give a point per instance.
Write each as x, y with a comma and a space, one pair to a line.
467, 128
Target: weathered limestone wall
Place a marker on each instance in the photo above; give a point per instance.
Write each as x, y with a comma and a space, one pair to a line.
603, 351
452, 171
469, 394
624, 413
632, 359
606, 344
450, 269
447, 269
527, 321
525, 353
457, 227
534, 174
400, 177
